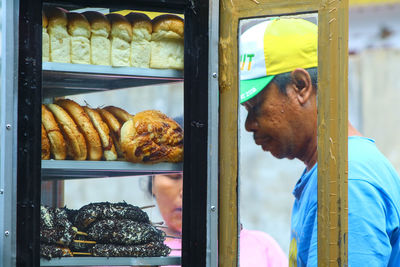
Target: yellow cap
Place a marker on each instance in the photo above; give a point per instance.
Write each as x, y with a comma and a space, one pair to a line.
273, 47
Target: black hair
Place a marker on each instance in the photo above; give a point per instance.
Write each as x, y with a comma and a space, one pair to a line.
150, 185
150, 179
281, 80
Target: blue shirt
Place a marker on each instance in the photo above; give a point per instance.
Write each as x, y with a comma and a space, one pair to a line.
374, 210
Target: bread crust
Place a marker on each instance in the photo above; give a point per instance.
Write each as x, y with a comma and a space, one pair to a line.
114, 126
152, 137
58, 149
168, 22
140, 20
121, 115
76, 144
45, 144
97, 21
109, 151
56, 16
77, 22
85, 126
120, 27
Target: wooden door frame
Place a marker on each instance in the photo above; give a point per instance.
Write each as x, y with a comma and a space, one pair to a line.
332, 122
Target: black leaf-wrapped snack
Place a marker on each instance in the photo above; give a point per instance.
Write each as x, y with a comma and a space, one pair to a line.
81, 243
48, 251
55, 228
124, 232
152, 249
93, 212
71, 213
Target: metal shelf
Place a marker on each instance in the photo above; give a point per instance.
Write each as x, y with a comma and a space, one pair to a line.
116, 261
60, 79
174, 6
74, 169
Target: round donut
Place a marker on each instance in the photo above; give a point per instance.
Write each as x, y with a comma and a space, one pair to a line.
121, 115
58, 147
114, 126
109, 152
82, 120
76, 144
45, 144
151, 136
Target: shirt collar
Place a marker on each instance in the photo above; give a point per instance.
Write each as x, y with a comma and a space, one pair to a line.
302, 182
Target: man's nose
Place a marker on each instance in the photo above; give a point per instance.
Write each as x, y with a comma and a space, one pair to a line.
250, 123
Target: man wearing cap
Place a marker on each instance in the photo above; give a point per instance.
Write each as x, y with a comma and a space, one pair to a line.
278, 88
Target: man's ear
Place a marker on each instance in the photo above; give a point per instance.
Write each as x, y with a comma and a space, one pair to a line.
302, 85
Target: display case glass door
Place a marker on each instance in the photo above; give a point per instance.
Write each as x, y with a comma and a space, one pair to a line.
332, 21
46, 82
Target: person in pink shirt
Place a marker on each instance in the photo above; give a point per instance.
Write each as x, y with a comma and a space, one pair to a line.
256, 248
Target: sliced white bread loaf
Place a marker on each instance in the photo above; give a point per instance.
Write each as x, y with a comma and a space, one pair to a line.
60, 41
167, 42
79, 30
121, 37
100, 45
141, 37
45, 39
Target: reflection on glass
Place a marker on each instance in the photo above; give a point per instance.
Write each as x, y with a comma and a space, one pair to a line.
278, 89
278, 62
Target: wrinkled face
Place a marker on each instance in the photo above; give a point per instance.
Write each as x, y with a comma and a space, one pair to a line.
167, 190
272, 120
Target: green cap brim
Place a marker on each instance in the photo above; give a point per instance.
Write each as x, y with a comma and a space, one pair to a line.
250, 88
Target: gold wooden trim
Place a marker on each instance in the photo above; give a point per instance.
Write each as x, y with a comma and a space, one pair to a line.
332, 122
228, 136
332, 133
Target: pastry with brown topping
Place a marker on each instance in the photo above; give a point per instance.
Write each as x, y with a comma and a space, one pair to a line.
151, 137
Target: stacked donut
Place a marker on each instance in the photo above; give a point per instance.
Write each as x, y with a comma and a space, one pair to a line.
100, 229
71, 131
120, 230
93, 38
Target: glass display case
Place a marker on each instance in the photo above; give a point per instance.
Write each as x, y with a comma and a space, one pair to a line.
32, 83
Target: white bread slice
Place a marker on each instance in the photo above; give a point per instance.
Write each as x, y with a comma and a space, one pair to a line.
45, 39
60, 41
167, 42
121, 37
100, 45
141, 37
79, 30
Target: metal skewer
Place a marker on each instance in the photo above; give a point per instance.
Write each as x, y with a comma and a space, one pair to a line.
146, 207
